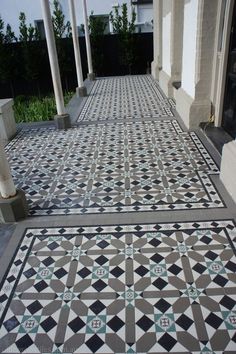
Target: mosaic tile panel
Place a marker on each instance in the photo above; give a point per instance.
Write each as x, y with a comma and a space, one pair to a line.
116, 167
154, 288
126, 97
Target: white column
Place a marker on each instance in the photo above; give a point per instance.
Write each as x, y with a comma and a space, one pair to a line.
228, 168
7, 187
87, 39
76, 44
52, 53
157, 38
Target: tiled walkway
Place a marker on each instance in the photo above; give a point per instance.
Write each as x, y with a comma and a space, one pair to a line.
111, 285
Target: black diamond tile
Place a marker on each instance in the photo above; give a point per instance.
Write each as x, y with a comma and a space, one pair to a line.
42, 285
24, 342
60, 273
184, 321
52, 246
34, 307
227, 302
101, 260
11, 323
157, 258
145, 323
97, 307
213, 320
99, 285
76, 324
167, 342
199, 268
48, 324
162, 305
141, 271
48, 261
94, 343
221, 281
174, 269
211, 255
103, 244
155, 242
160, 283
84, 272
206, 240
115, 324
29, 273
117, 272
231, 266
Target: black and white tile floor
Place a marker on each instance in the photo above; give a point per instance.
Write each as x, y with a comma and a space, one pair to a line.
119, 287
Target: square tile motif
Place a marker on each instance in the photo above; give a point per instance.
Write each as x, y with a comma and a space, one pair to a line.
115, 167
153, 288
126, 97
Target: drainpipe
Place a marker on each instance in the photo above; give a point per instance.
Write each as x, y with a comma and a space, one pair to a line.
81, 89
91, 75
62, 119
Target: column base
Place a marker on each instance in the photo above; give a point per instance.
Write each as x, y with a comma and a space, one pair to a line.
192, 111
165, 82
155, 70
13, 209
81, 91
91, 76
62, 121
228, 168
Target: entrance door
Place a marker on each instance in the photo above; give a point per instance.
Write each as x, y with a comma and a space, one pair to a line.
229, 111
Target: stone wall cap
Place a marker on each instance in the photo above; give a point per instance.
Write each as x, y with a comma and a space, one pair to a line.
5, 104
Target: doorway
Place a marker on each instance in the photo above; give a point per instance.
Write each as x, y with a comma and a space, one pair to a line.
229, 110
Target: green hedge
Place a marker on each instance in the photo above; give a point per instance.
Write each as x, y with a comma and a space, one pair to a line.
35, 109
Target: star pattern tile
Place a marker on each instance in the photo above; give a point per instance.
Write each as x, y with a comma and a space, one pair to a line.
126, 97
115, 167
148, 288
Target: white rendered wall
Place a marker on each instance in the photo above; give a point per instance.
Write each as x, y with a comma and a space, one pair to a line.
189, 46
10, 10
166, 36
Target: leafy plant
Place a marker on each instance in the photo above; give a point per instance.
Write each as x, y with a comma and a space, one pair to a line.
124, 29
97, 28
31, 54
34, 109
8, 62
61, 29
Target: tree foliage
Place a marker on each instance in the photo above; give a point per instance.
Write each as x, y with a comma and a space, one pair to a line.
124, 29
97, 29
61, 28
30, 52
8, 60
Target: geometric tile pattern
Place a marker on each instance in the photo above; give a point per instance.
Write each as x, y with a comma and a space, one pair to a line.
115, 167
153, 288
127, 97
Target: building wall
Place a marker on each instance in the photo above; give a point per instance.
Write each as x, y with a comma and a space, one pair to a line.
166, 37
189, 46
